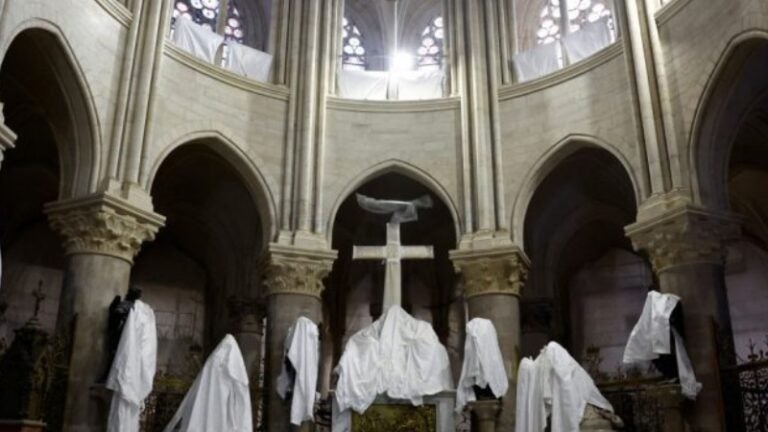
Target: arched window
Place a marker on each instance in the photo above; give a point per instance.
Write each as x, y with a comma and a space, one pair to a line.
579, 12
430, 53
353, 51
207, 13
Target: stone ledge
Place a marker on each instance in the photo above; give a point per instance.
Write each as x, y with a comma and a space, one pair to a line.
117, 10
372, 106
565, 74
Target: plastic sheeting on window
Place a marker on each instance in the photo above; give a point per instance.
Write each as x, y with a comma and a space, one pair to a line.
537, 62
371, 85
247, 61
197, 40
419, 84
591, 38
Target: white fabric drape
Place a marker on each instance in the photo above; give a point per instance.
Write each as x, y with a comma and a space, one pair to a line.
247, 61
219, 399
554, 385
419, 84
536, 62
199, 41
651, 337
397, 355
402, 211
483, 363
589, 39
302, 351
133, 369
355, 84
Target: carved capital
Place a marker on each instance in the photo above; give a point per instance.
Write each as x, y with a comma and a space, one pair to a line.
7, 137
494, 271
103, 224
687, 235
290, 270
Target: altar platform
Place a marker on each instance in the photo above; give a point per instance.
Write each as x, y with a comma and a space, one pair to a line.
436, 414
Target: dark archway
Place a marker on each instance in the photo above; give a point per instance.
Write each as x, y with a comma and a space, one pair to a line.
574, 230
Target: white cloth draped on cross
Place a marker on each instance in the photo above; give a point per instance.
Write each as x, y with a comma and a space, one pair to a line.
393, 252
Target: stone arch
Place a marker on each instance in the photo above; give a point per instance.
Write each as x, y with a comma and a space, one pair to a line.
78, 131
728, 96
548, 161
403, 168
248, 171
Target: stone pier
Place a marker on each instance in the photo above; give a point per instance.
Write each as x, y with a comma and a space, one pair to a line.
493, 280
101, 236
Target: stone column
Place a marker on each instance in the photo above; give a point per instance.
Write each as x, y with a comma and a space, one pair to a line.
294, 283
687, 251
101, 235
493, 280
246, 316
7, 137
485, 413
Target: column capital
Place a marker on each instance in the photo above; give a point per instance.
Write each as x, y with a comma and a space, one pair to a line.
7, 137
103, 224
291, 270
500, 270
683, 236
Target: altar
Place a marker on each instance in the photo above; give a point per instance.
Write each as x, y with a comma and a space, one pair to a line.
436, 414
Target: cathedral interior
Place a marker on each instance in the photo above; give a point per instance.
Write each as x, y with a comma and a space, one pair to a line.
578, 153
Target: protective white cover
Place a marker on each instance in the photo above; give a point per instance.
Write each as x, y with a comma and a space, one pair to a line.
650, 338
536, 62
402, 211
397, 355
133, 369
419, 84
555, 384
355, 84
302, 351
247, 61
589, 39
219, 399
196, 39
483, 363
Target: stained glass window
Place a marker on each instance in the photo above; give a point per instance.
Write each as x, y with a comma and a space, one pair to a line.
353, 51
430, 53
579, 12
207, 12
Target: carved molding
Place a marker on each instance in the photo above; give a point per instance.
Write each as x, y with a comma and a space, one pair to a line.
103, 224
685, 236
290, 270
496, 271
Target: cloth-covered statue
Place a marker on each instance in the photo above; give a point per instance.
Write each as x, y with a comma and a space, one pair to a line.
219, 399
483, 363
133, 369
397, 355
555, 386
650, 339
298, 378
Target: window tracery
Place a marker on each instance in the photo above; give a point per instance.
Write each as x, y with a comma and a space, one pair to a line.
579, 12
430, 54
353, 51
207, 13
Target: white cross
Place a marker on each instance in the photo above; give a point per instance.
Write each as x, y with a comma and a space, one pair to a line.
393, 252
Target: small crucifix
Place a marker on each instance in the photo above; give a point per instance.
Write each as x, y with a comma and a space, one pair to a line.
393, 253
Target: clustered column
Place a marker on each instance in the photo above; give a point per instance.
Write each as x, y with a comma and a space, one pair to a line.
493, 280
246, 317
687, 250
101, 235
294, 283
